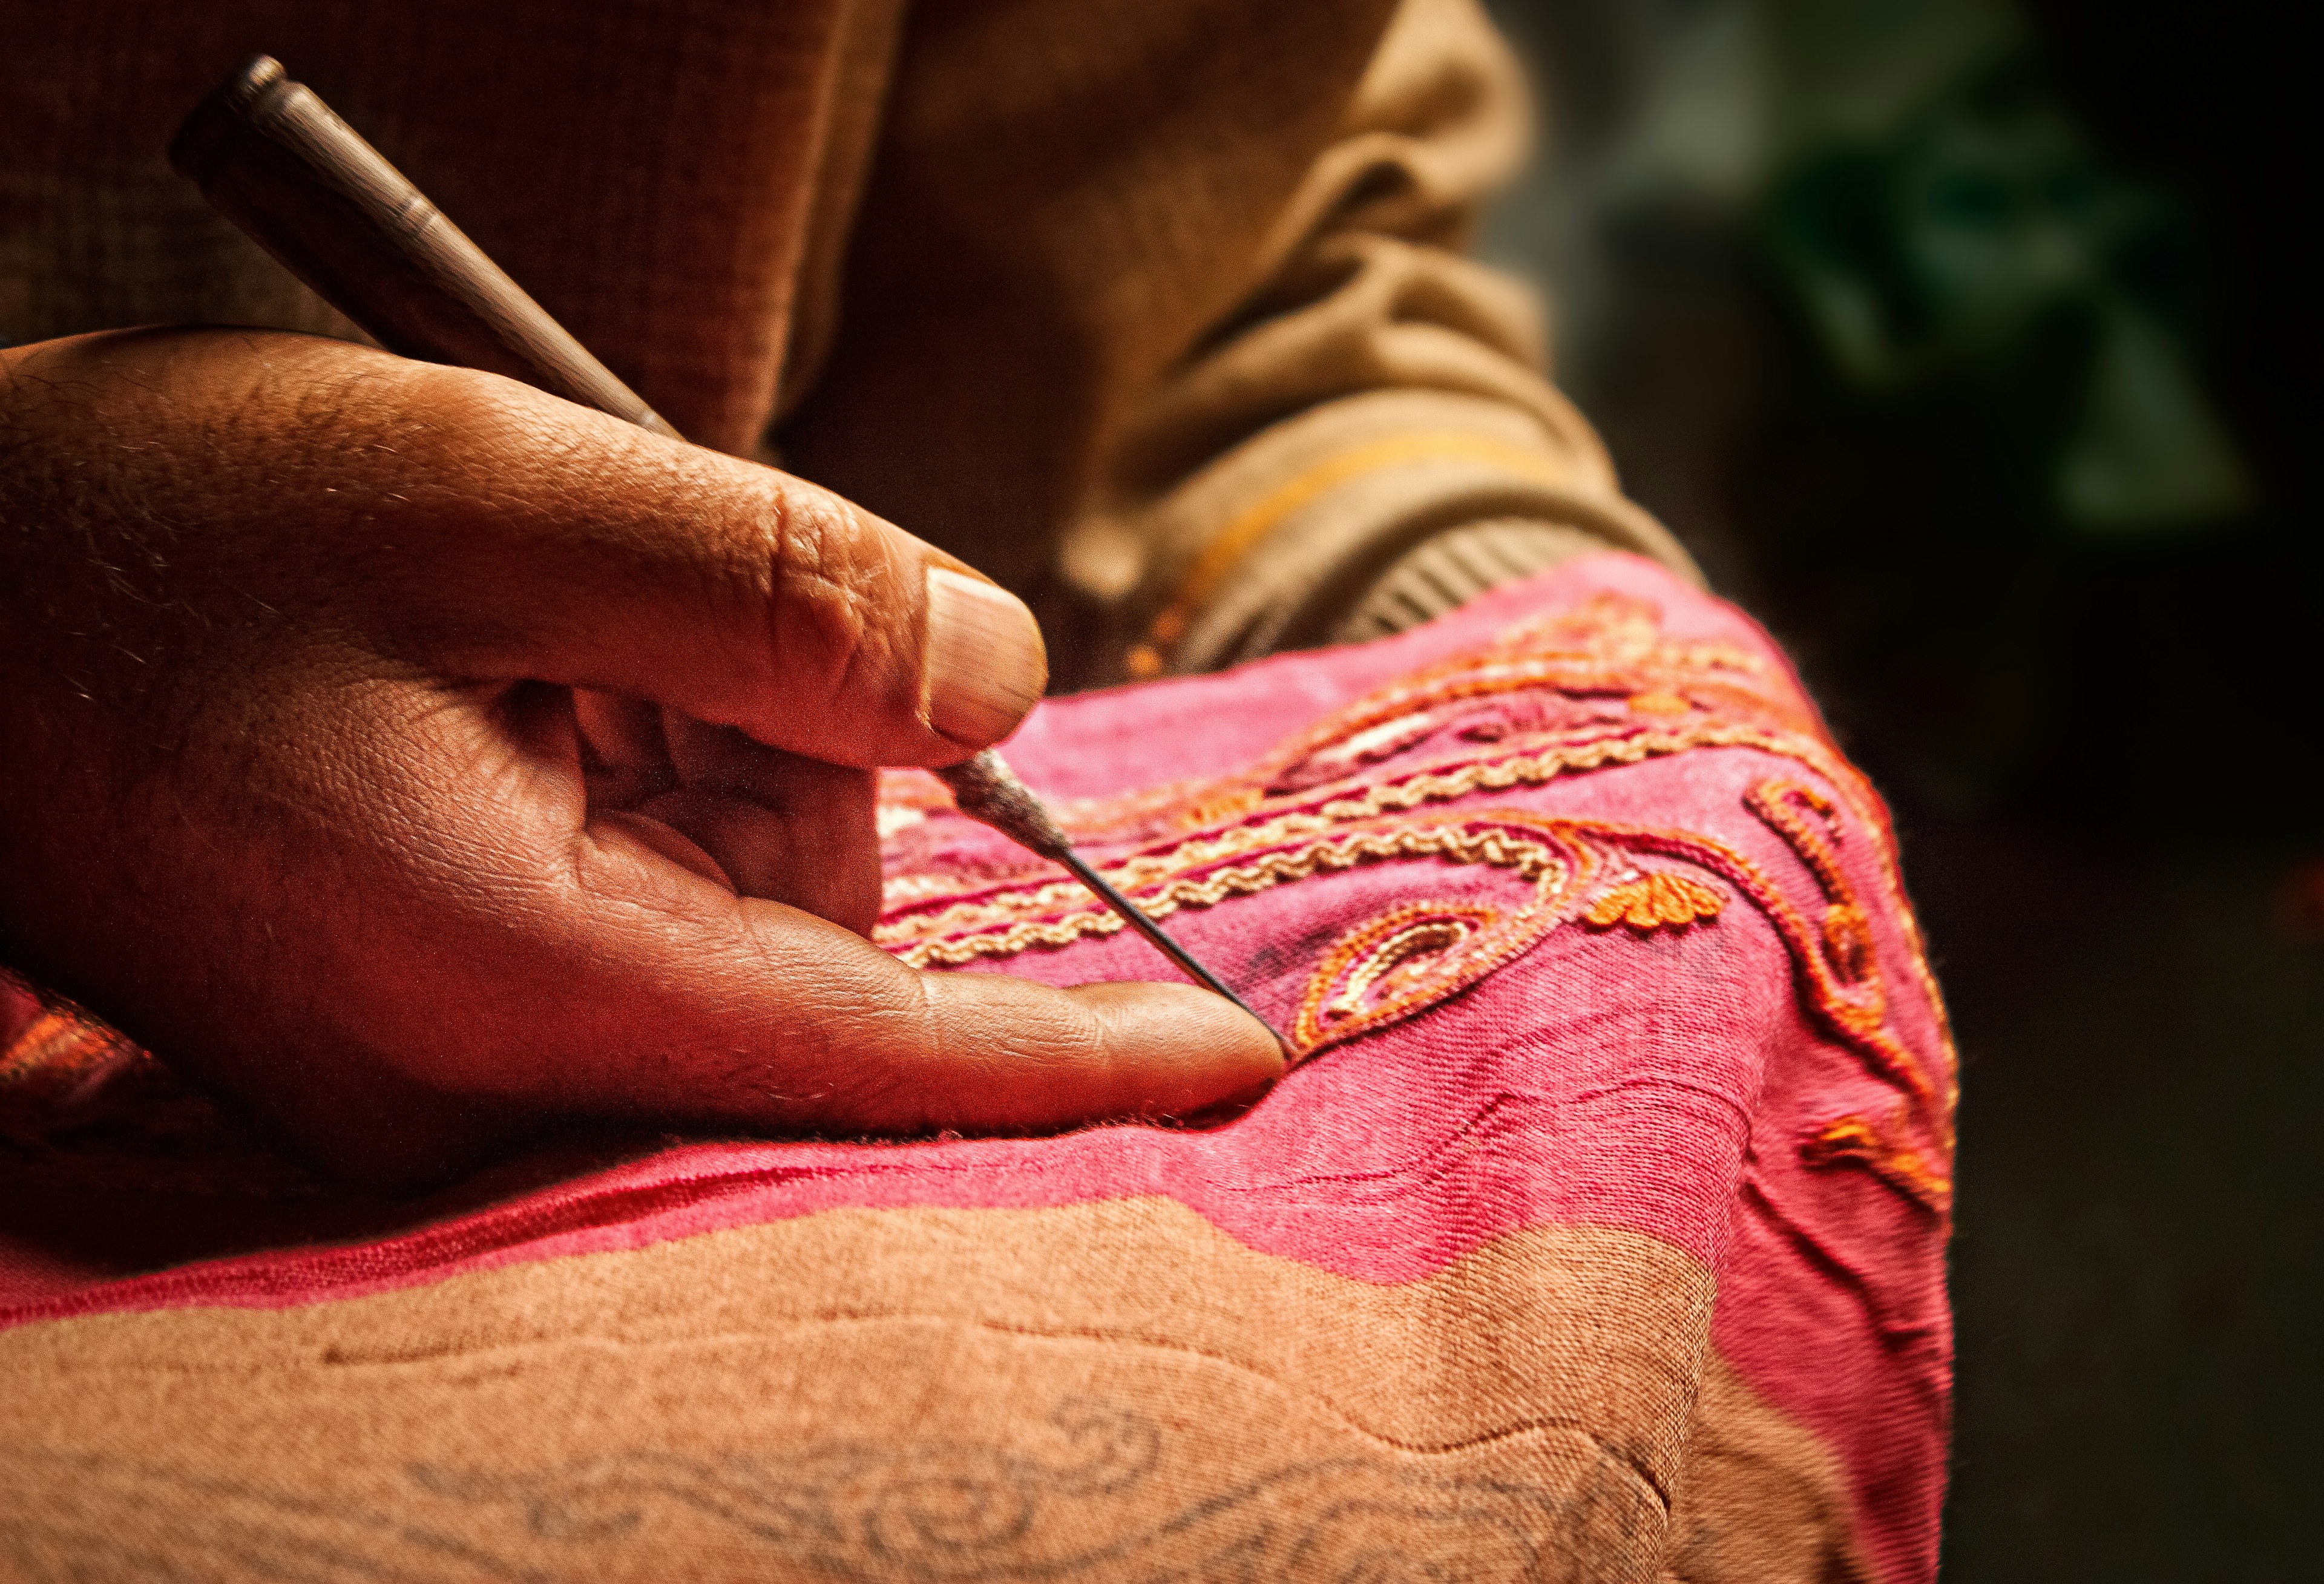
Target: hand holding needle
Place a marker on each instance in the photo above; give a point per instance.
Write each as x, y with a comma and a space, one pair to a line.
272, 157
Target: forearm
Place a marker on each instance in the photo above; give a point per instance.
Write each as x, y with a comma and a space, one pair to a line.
1201, 402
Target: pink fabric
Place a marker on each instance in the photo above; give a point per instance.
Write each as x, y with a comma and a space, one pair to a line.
1684, 1083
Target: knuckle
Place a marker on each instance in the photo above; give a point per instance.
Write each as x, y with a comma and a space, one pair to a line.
837, 596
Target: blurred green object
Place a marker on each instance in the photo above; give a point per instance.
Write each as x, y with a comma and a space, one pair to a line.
1912, 360
1983, 236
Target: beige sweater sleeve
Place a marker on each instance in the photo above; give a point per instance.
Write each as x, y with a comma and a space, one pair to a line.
1158, 313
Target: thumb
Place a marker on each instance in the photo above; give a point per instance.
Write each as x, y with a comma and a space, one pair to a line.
564, 546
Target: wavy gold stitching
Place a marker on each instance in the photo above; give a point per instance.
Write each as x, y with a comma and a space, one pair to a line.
1009, 920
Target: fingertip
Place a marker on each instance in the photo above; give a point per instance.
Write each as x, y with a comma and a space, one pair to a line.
1194, 1051
994, 1054
983, 666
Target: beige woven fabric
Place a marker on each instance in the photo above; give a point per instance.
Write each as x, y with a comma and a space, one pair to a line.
920, 1393
1153, 309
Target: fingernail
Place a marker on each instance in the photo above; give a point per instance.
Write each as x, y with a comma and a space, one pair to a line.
982, 666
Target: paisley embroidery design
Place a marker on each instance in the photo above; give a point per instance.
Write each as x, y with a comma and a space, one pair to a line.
1809, 823
1382, 968
1806, 819
1413, 956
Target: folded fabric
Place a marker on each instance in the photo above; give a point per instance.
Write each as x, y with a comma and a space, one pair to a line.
1598, 1234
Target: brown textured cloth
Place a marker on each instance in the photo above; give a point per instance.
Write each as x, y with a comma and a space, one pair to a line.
1152, 310
986, 1401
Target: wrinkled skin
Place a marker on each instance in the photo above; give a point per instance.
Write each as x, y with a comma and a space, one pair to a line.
294, 786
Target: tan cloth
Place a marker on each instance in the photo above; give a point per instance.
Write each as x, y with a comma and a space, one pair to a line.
1150, 309
921, 1394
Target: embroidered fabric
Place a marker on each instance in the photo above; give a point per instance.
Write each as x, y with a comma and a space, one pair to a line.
1574, 914
1395, 774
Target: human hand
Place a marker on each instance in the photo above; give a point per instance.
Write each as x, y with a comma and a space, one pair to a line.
297, 790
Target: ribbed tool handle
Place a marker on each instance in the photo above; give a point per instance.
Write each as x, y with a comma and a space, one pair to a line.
272, 158
988, 791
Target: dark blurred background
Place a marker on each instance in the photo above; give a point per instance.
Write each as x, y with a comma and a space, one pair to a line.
1968, 344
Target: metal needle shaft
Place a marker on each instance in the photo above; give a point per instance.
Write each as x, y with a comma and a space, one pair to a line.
989, 792
1136, 918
